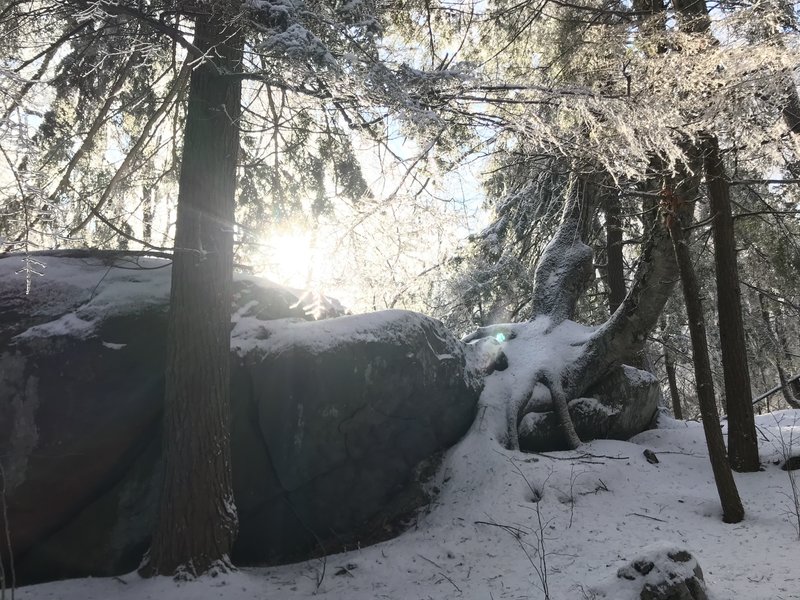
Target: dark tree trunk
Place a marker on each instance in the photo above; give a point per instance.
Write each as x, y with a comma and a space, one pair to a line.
791, 110
694, 15
795, 384
778, 344
147, 214
732, 509
787, 389
615, 262
742, 441
196, 525
669, 366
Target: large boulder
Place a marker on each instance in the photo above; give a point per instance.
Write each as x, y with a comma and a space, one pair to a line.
346, 409
618, 407
330, 419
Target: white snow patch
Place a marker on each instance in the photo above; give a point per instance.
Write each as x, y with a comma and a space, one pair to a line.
113, 346
250, 334
600, 507
68, 324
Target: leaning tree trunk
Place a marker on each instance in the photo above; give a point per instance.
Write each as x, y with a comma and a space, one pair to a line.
732, 509
196, 524
625, 333
742, 441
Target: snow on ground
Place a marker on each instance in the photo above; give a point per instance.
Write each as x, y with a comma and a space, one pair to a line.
599, 506
487, 538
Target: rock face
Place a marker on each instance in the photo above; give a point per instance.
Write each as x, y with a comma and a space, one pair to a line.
618, 407
365, 399
659, 573
330, 419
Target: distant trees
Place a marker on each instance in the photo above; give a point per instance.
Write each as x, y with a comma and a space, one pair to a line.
635, 103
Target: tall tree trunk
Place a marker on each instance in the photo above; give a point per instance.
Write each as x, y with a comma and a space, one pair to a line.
669, 365
616, 264
196, 525
742, 441
778, 344
672, 379
732, 509
147, 213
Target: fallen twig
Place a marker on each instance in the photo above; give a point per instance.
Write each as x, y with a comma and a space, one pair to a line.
646, 517
582, 455
453, 583
516, 531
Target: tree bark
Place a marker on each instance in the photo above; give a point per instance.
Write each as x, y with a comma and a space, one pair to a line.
778, 345
147, 214
561, 404
614, 258
196, 524
669, 365
565, 269
624, 334
742, 441
732, 509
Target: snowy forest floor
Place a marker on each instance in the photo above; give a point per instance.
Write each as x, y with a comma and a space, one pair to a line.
599, 507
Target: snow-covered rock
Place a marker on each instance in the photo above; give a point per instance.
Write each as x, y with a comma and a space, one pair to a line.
661, 572
330, 418
619, 406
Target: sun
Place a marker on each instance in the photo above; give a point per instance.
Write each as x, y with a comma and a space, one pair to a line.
289, 256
